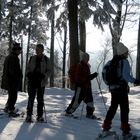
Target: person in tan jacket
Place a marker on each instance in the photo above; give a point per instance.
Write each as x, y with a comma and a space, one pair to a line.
38, 71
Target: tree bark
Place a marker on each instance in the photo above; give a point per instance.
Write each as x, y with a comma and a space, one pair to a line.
73, 31
82, 30
52, 52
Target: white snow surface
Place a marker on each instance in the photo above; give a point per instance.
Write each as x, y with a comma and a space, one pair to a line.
60, 127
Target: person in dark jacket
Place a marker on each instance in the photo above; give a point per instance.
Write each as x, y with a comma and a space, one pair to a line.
12, 77
38, 72
83, 91
119, 94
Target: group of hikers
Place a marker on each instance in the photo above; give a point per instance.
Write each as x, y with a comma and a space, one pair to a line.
38, 71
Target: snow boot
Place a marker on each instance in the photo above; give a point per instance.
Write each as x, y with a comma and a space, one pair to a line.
29, 119
40, 119
93, 117
129, 136
104, 134
13, 113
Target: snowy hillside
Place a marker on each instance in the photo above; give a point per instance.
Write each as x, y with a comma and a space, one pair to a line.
60, 127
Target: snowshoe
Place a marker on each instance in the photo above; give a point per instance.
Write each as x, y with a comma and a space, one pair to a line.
104, 134
71, 115
93, 117
129, 137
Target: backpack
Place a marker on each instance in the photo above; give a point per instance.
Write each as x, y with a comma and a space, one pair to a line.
110, 70
72, 75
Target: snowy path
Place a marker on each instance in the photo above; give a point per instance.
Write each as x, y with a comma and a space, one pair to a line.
60, 127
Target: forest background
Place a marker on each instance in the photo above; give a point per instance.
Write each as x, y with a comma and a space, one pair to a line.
64, 28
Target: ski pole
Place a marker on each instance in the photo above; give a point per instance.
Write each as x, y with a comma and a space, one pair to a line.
82, 111
101, 93
45, 116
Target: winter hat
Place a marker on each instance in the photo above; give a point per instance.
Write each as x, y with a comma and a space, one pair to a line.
85, 56
121, 49
16, 46
40, 46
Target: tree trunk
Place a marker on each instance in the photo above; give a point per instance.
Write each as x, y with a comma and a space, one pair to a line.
82, 30
11, 25
52, 52
116, 31
64, 58
28, 47
138, 55
0, 18
73, 31
22, 58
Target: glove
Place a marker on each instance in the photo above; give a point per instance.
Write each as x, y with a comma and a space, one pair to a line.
137, 82
93, 75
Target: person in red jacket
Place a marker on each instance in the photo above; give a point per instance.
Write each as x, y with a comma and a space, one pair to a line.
83, 90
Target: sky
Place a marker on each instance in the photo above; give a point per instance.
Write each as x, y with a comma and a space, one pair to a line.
60, 127
96, 38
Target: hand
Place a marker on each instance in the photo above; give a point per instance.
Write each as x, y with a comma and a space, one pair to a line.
42, 76
93, 75
137, 82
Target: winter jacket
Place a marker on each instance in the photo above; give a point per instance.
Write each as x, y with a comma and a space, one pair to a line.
126, 72
12, 74
83, 75
38, 72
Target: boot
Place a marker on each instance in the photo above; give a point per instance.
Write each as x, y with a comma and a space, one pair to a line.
29, 118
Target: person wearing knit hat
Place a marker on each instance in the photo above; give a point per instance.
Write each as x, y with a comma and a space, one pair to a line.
16, 46
121, 49
12, 78
119, 93
83, 89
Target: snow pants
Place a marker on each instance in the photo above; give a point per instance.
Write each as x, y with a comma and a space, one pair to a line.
118, 97
81, 94
12, 98
32, 92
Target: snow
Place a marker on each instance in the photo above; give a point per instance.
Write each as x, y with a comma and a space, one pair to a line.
60, 127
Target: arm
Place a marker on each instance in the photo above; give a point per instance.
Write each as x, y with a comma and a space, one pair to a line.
126, 72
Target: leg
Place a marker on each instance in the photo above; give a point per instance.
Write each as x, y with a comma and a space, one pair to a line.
124, 107
40, 100
12, 98
89, 101
31, 94
112, 110
76, 100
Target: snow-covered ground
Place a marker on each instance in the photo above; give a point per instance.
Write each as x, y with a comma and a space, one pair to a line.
59, 127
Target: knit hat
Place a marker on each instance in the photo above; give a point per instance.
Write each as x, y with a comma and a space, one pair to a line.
121, 49
16, 46
85, 56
